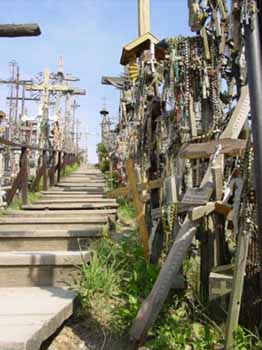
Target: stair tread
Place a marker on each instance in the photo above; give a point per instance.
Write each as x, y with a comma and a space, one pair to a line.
30, 315
39, 258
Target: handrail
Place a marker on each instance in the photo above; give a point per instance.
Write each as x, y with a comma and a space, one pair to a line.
51, 175
24, 145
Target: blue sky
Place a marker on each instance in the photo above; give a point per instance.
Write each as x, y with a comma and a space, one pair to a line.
90, 35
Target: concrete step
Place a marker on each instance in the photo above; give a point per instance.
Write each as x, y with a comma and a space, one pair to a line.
28, 316
90, 219
47, 226
61, 213
69, 206
87, 184
71, 193
99, 190
48, 240
70, 196
75, 200
42, 268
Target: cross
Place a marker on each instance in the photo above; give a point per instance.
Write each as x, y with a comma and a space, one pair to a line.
46, 88
133, 189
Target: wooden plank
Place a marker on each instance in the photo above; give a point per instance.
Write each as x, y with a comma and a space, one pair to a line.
153, 304
239, 116
230, 148
201, 211
198, 196
132, 185
18, 30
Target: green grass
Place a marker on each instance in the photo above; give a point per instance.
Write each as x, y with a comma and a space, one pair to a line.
116, 282
16, 203
69, 169
126, 210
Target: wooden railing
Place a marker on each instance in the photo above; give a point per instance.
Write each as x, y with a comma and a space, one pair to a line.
51, 166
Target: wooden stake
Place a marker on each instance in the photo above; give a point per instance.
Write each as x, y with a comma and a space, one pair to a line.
132, 184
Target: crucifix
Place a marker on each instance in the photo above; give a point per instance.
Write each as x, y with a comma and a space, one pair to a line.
46, 88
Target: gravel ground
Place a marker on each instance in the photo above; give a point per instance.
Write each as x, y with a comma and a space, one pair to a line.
84, 335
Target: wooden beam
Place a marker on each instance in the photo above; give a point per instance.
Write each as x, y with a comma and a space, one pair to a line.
132, 185
18, 30
230, 148
143, 17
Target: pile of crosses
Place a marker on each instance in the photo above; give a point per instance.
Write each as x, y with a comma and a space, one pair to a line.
32, 148
184, 140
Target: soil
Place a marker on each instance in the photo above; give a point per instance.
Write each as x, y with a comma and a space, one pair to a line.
84, 335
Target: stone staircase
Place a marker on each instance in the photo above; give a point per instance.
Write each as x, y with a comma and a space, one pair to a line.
40, 255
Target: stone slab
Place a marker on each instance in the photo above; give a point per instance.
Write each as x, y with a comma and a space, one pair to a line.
28, 316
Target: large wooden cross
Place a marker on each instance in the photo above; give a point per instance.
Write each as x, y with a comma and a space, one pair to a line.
133, 190
46, 89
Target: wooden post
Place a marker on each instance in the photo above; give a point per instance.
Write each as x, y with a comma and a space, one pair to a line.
132, 184
53, 169
237, 290
65, 162
207, 259
23, 167
45, 170
59, 166
143, 17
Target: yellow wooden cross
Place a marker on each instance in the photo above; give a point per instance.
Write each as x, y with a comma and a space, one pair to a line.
133, 190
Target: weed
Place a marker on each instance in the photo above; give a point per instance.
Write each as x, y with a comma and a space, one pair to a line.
125, 210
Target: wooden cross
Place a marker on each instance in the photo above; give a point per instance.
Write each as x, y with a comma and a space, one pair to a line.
133, 190
46, 88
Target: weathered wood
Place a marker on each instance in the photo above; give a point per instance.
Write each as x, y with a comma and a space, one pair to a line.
59, 166
52, 170
132, 185
237, 289
152, 305
36, 183
24, 185
18, 30
201, 211
198, 196
217, 170
45, 171
11, 193
230, 148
